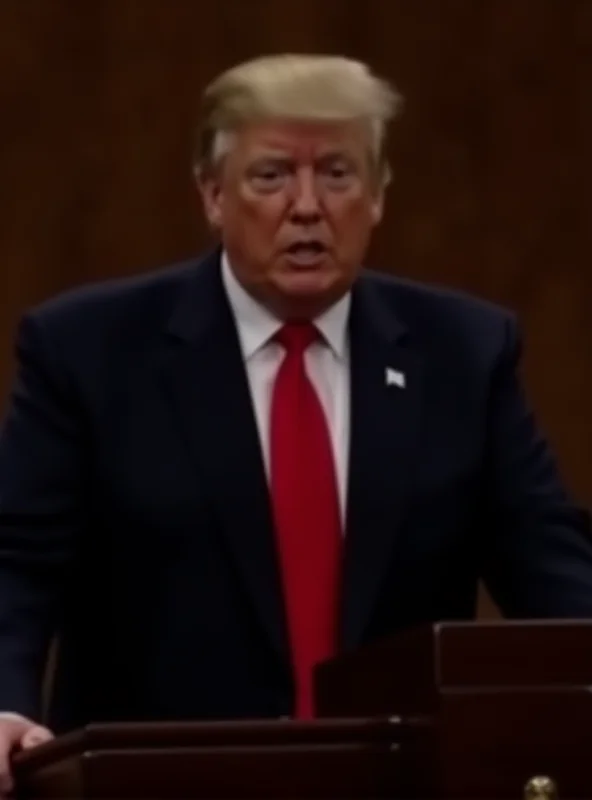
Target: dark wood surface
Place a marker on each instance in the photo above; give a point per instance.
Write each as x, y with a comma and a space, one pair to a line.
179, 735
274, 759
480, 744
404, 674
485, 706
490, 743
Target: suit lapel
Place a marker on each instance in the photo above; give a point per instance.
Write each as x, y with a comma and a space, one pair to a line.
206, 382
386, 397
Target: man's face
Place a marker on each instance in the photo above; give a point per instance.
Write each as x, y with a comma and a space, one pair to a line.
295, 204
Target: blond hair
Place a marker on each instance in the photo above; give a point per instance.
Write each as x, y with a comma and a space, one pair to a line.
303, 87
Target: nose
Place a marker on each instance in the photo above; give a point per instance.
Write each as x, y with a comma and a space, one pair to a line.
306, 208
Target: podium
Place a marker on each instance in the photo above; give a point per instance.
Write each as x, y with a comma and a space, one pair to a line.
455, 710
272, 759
490, 705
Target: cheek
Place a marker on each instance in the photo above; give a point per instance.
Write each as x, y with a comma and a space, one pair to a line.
266, 213
252, 226
353, 217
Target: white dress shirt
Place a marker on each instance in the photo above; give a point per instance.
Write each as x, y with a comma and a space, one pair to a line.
326, 361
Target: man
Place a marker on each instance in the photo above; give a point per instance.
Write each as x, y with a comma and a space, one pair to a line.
213, 477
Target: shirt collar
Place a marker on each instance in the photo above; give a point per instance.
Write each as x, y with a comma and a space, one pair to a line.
257, 325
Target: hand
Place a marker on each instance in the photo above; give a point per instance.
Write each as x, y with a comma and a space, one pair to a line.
17, 733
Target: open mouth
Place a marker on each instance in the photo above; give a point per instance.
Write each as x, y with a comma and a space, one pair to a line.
306, 253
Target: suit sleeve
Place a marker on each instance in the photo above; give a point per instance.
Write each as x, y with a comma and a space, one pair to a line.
538, 553
41, 474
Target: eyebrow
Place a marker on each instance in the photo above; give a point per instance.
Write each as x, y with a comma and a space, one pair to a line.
286, 158
275, 157
336, 156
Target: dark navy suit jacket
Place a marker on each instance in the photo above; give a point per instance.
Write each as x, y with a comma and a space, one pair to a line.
134, 510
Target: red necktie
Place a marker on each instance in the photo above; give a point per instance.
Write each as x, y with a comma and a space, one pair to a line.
306, 511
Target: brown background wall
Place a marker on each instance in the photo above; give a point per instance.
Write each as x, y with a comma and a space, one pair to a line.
492, 158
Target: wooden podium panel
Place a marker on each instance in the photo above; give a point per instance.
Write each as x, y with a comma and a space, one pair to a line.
279, 760
409, 671
499, 702
464, 711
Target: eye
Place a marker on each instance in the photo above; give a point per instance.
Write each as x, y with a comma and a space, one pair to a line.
339, 171
268, 174
338, 174
268, 177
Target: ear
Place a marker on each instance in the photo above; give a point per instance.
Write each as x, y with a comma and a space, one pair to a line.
377, 207
209, 188
383, 178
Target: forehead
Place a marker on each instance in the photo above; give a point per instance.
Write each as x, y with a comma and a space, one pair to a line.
302, 139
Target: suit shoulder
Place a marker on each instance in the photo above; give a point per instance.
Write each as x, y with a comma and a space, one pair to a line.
439, 308
102, 304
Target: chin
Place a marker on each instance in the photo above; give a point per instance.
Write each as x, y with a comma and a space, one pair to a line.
306, 283
308, 294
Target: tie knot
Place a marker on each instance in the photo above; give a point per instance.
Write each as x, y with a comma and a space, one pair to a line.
296, 337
